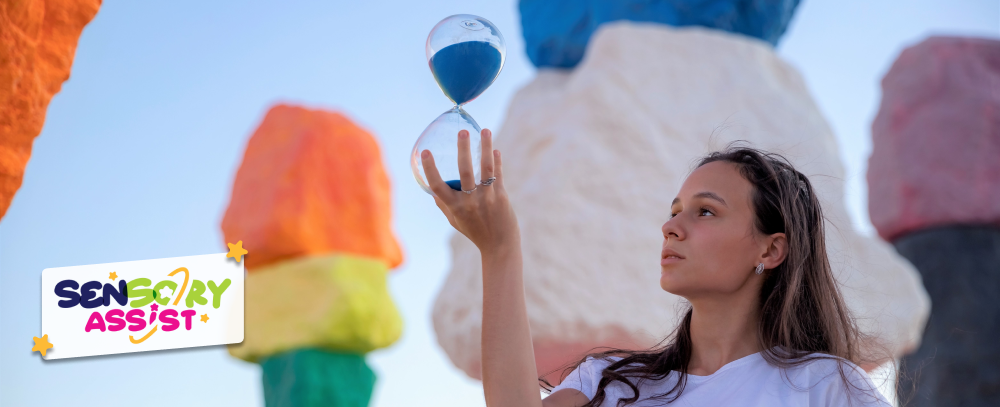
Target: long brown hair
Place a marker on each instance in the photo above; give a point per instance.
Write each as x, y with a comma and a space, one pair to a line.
802, 311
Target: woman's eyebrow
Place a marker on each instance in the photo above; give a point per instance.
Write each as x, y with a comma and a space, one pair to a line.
704, 194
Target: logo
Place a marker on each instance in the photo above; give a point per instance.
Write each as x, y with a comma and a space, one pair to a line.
142, 305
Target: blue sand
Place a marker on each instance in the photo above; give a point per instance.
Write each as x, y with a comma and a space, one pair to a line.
455, 184
466, 69
556, 32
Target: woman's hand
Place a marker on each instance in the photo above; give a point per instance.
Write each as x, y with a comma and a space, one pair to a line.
485, 216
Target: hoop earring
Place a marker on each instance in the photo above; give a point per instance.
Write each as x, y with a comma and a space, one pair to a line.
760, 268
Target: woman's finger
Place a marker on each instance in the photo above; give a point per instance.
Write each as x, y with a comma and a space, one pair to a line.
487, 164
468, 177
434, 180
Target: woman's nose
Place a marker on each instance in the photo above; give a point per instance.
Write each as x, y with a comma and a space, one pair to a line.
672, 228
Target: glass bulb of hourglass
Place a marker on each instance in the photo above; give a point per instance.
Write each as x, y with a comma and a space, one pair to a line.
441, 138
465, 54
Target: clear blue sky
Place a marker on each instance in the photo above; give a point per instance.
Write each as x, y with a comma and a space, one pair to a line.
139, 151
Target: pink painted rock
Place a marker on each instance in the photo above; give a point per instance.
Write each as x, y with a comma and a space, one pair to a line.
936, 139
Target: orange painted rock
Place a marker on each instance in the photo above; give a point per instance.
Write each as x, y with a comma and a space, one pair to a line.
37, 44
311, 182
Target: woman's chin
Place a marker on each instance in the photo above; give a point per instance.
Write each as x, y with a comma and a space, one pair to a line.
668, 281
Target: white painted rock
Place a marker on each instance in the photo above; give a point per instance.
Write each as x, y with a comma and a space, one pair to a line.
592, 159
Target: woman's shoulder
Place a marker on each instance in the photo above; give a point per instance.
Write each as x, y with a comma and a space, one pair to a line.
824, 365
591, 367
584, 377
601, 361
597, 364
834, 378
587, 375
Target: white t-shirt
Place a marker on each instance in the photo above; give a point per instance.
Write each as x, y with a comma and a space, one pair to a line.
745, 382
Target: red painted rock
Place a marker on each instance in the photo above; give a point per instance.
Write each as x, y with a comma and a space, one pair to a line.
311, 182
936, 139
37, 44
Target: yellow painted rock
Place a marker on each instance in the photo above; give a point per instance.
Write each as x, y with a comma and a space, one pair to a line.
37, 44
337, 302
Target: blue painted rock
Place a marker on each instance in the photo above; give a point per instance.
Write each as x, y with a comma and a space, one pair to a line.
556, 32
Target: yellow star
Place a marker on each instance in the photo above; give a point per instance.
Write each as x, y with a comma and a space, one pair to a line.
113, 275
41, 344
204, 317
236, 251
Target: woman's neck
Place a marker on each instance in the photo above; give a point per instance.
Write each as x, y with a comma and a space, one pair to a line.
722, 331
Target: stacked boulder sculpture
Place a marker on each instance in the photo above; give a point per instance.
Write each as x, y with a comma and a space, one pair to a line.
311, 204
934, 192
37, 44
596, 154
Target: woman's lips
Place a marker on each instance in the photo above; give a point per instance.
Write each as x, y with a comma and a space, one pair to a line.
670, 260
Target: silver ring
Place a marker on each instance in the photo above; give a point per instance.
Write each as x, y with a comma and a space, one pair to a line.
488, 181
470, 191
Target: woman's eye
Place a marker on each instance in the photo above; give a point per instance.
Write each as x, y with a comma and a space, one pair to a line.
703, 210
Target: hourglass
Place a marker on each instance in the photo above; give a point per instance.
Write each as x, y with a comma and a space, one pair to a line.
465, 54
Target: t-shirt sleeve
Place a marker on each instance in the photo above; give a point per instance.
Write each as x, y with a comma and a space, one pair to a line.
584, 378
861, 392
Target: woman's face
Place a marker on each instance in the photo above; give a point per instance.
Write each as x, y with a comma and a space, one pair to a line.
711, 228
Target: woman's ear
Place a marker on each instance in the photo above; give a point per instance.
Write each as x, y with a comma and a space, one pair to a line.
775, 252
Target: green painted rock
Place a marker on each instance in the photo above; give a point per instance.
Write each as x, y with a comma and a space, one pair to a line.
313, 377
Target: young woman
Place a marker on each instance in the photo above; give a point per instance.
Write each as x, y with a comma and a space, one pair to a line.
743, 244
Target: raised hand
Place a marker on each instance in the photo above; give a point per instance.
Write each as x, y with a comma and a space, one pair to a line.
480, 212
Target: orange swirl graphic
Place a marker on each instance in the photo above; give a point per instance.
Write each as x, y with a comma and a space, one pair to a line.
183, 286
144, 337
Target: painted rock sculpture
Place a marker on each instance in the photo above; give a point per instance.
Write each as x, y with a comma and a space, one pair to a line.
311, 203
37, 44
934, 192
